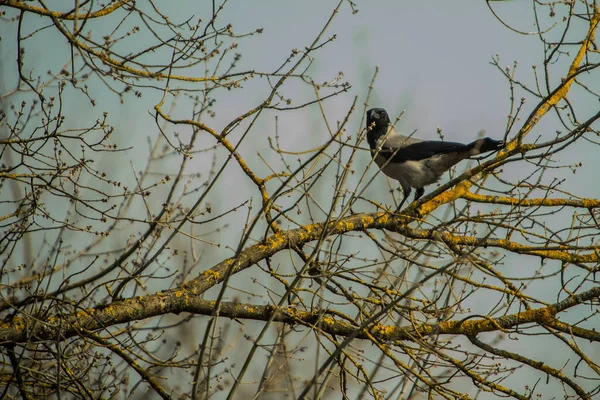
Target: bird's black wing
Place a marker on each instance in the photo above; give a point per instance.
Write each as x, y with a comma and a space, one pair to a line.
422, 150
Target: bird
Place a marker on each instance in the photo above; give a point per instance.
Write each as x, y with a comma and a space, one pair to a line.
416, 163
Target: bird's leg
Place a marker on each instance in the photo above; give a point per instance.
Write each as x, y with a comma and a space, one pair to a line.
419, 192
406, 191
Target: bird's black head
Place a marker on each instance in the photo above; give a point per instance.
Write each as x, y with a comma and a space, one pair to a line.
378, 122
489, 144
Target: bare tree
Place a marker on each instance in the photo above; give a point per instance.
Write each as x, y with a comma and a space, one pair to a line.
191, 251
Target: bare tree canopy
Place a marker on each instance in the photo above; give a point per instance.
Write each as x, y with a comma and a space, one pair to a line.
189, 207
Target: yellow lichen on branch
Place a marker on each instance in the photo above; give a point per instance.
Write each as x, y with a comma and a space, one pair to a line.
24, 6
538, 202
455, 193
21, 329
563, 89
571, 254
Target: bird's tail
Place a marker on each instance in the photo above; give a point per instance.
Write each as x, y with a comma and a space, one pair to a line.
484, 145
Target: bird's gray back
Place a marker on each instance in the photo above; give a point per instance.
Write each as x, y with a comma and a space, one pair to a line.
395, 140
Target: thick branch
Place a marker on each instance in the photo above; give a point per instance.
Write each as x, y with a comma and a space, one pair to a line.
561, 91
23, 329
21, 5
178, 299
539, 202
